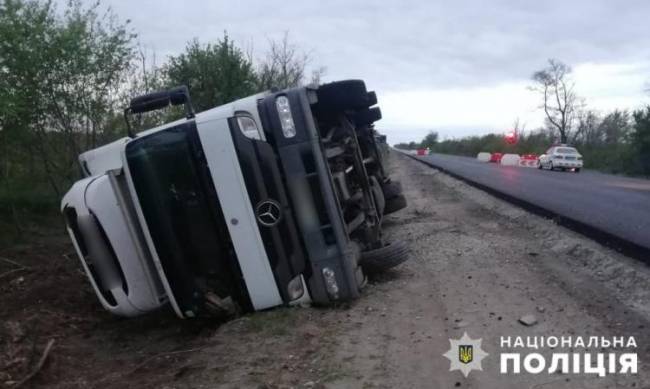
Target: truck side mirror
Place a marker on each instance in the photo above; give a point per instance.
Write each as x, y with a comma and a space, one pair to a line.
158, 100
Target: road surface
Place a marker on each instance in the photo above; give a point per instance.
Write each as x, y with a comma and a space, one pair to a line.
617, 206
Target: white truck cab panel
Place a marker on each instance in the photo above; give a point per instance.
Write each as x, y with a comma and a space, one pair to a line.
110, 249
102, 159
240, 218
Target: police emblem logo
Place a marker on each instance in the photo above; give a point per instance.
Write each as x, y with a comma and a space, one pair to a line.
465, 353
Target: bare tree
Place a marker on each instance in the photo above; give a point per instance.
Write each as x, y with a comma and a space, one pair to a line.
518, 127
144, 76
317, 75
561, 103
284, 66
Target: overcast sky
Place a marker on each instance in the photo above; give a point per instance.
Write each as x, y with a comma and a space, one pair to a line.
458, 67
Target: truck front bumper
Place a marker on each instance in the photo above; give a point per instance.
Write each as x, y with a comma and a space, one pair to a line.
567, 164
334, 273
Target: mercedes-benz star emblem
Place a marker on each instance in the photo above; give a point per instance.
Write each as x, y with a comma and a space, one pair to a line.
268, 212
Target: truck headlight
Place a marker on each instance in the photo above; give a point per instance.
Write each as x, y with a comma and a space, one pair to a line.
248, 127
330, 283
286, 119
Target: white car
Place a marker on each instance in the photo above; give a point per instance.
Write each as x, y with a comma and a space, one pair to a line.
561, 157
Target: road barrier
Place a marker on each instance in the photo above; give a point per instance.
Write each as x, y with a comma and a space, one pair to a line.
496, 157
403, 151
484, 157
525, 160
529, 160
510, 160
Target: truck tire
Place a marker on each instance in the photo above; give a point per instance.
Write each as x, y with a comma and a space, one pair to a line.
384, 258
395, 204
371, 98
392, 189
344, 95
367, 116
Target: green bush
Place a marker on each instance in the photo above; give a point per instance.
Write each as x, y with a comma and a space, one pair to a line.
27, 200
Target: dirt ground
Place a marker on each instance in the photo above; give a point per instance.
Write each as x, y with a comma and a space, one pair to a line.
478, 265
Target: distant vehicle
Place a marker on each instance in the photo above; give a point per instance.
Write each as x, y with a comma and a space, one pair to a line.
561, 157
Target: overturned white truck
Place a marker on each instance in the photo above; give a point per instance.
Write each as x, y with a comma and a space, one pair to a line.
272, 199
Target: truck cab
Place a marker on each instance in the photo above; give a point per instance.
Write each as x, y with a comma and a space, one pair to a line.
269, 200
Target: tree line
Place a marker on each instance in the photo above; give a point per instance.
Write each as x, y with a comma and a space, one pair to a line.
67, 74
615, 142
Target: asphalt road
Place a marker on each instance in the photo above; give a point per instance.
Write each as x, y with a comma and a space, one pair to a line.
617, 206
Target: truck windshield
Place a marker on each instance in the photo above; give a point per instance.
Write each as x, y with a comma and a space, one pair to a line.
181, 211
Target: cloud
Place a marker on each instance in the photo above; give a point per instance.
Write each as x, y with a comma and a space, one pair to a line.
403, 44
461, 65
458, 112
607, 86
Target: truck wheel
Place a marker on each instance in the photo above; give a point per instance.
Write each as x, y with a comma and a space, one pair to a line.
367, 116
342, 95
392, 189
395, 204
389, 256
371, 98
